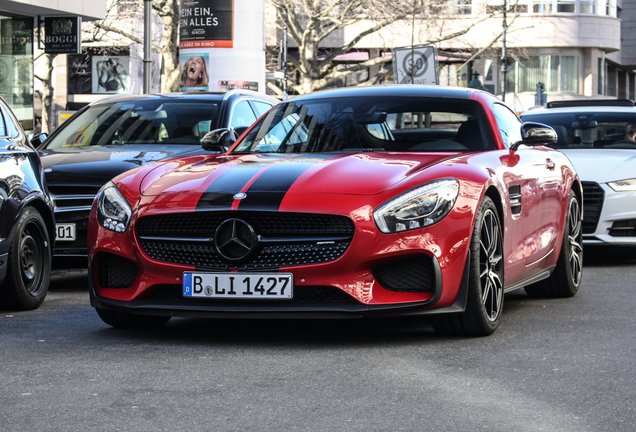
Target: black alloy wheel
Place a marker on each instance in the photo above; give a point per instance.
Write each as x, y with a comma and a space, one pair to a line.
485, 283
566, 278
29, 263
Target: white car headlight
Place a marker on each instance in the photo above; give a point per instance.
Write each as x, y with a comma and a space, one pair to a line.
623, 185
113, 211
417, 208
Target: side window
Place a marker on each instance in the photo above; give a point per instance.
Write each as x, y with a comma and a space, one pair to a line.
3, 126
242, 115
508, 123
261, 107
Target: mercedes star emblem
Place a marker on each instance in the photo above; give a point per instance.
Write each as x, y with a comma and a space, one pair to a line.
235, 240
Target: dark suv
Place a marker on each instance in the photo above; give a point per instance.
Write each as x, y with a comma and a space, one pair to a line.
26, 219
119, 133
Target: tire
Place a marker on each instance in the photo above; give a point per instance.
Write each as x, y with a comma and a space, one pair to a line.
485, 280
565, 280
127, 320
28, 264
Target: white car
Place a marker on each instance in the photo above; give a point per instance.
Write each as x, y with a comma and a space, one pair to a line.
592, 135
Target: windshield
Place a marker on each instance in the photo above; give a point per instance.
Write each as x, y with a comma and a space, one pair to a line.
139, 122
584, 130
370, 123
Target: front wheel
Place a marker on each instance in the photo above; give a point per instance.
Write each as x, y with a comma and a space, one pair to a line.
485, 283
28, 264
566, 277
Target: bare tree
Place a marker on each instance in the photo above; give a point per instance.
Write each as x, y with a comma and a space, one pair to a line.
312, 25
47, 94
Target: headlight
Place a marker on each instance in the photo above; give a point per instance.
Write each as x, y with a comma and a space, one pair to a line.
418, 207
113, 211
623, 185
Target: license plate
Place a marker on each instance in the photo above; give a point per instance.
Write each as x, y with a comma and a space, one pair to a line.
239, 285
65, 232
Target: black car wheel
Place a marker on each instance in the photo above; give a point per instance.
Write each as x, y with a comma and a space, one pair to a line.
29, 263
485, 285
127, 320
566, 277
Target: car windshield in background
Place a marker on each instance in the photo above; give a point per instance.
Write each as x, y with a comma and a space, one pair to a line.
138, 122
369, 124
584, 130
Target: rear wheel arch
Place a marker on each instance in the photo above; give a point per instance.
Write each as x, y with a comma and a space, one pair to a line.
47, 215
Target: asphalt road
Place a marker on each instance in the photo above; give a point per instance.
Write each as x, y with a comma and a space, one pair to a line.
553, 365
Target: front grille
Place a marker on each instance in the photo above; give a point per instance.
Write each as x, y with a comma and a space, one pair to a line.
414, 274
624, 228
205, 223
593, 197
302, 294
80, 242
286, 239
73, 197
73, 190
116, 272
76, 216
203, 254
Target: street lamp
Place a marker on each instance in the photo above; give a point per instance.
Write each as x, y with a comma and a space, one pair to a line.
504, 63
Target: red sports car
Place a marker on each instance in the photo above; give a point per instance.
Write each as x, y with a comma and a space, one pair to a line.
346, 203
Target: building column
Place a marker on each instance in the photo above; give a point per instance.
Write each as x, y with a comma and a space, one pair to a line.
60, 81
590, 70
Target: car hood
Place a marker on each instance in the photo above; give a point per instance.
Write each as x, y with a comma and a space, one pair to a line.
95, 165
359, 173
603, 165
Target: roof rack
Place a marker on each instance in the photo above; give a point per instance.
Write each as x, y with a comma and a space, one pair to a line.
591, 102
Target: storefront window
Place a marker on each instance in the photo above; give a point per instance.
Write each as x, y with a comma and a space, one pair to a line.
16, 67
560, 74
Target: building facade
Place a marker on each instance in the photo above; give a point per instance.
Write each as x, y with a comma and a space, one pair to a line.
20, 21
575, 48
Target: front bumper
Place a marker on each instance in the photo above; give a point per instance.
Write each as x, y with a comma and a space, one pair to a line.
616, 224
154, 285
169, 303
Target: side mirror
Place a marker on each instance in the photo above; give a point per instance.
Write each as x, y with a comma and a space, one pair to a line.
535, 134
217, 140
39, 139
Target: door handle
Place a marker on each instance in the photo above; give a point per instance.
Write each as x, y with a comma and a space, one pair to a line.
549, 164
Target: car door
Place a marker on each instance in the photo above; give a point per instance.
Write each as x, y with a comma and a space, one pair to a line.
533, 182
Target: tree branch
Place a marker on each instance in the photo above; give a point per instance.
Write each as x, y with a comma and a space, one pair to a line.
123, 33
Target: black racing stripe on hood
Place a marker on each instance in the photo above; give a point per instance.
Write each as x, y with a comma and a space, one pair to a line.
268, 190
220, 194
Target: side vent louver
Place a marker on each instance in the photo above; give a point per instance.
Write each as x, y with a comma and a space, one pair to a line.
515, 199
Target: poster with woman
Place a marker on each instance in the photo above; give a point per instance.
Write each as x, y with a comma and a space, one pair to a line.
194, 71
111, 74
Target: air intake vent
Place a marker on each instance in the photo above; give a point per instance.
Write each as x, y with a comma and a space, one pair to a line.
593, 197
407, 275
116, 272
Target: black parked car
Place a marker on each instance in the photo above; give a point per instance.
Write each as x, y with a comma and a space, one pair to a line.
119, 133
27, 227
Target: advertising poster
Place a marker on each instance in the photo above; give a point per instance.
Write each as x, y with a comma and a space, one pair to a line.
206, 24
231, 85
194, 71
111, 74
230, 51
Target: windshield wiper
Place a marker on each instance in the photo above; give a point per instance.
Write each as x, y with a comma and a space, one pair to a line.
363, 150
